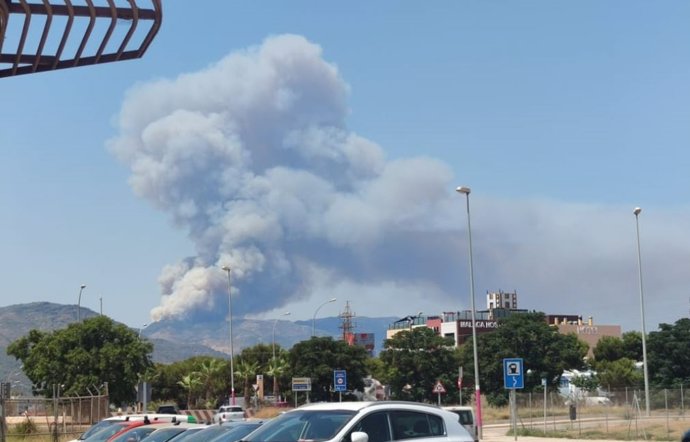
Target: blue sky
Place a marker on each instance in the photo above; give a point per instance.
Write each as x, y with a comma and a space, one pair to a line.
561, 117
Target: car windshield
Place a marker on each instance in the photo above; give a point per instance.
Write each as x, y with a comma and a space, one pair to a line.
206, 434
164, 434
93, 429
110, 430
188, 434
302, 425
135, 434
236, 432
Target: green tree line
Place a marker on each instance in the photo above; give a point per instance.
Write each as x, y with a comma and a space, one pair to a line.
98, 351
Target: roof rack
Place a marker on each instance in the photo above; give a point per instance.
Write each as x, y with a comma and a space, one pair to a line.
92, 44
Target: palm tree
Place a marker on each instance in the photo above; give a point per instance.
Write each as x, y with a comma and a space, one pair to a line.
190, 383
208, 376
246, 370
276, 368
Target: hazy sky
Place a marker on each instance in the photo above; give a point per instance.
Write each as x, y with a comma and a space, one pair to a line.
315, 147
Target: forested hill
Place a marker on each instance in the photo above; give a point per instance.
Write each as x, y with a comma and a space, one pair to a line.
176, 340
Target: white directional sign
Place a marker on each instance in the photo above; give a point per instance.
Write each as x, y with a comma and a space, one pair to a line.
301, 384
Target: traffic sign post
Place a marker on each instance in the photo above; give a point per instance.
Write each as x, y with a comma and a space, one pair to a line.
340, 382
301, 384
439, 389
513, 378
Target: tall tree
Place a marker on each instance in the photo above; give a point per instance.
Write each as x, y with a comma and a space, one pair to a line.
209, 377
417, 359
608, 348
85, 354
246, 370
277, 368
319, 356
545, 353
191, 383
616, 374
632, 345
668, 358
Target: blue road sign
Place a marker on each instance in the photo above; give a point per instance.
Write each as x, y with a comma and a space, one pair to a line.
513, 374
339, 380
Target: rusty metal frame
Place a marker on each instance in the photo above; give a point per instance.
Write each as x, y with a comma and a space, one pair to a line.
20, 62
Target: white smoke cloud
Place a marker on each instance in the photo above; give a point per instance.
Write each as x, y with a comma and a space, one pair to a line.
252, 156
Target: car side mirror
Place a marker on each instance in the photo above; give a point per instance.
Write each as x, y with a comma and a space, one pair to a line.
359, 436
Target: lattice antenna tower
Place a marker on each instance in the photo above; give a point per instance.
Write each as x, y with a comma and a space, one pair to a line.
347, 325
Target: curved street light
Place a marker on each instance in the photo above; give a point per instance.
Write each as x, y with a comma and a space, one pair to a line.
81, 289
274, 333
313, 321
477, 391
232, 366
636, 212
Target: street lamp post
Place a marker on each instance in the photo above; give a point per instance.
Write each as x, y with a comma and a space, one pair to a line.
313, 321
477, 391
636, 212
274, 334
81, 289
232, 366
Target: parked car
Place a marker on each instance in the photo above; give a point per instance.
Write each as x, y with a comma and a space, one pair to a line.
170, 432
228, 413
115, 429
205, 435
189, 433
138, 433
168, 409
362, 422
466, 418
238, 430
153, 417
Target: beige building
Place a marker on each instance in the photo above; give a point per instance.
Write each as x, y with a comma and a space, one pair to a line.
458, 325
588, 332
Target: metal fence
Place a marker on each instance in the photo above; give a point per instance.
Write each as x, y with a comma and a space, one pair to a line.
57, 417
610, 412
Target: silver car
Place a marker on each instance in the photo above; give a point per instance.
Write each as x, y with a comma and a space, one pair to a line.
363, 422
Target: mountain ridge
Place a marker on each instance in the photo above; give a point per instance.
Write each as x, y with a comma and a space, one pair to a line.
176, 339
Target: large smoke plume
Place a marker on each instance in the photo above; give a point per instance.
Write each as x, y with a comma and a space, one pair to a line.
253, 158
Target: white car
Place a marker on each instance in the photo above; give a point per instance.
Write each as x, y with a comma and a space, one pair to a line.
381, 421
466, 418
228, 413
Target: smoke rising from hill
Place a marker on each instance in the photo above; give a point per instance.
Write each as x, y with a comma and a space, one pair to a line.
253, 158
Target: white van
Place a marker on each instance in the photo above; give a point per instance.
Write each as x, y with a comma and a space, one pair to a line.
466, 418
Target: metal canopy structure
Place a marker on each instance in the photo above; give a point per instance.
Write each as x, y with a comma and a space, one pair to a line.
47, 35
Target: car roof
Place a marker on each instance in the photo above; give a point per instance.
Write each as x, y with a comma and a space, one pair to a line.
357, 406
458, 408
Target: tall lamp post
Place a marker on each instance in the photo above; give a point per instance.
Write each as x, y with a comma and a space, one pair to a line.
81, 289
477, 391
313, 321
232, 350
637, 211
274, 334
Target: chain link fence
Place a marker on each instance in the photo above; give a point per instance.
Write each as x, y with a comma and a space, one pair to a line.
620, 412
56, 417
